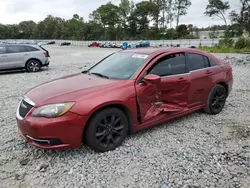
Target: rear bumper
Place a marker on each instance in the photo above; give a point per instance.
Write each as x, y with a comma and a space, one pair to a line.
230, 86
46, 63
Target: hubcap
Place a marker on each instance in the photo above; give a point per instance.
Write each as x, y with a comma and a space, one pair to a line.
110, 130
34, 66
219, 99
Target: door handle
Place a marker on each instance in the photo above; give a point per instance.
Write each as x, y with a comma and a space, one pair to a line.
209, 72
182, 80
4, 56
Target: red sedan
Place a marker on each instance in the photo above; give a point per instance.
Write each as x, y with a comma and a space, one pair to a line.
94, 44
127, 91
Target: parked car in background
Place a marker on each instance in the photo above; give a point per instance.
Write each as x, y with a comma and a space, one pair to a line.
127, 91
94, 44
65, 44
51, 42
23, 56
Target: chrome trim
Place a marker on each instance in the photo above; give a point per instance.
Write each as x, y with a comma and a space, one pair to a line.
183, 74
175, 75
26, 99
204, 69
38, 140
17, 112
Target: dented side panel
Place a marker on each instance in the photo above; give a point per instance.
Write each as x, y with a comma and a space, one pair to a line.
168, 97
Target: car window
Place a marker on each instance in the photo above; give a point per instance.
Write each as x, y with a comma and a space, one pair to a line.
2, 50
31, 49
120, 65
169, 65
206, 61
212, 63
195, 62
16, 49
209, 62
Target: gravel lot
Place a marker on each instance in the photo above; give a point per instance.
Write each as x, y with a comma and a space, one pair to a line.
194, 151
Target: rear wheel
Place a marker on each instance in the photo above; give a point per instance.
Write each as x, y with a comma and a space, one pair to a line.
106, 130
33, 66
216, 100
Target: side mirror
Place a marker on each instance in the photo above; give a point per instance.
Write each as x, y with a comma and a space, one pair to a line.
152, 78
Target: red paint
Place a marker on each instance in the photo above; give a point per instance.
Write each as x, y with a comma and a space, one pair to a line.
159, 98
94, 44
152, 79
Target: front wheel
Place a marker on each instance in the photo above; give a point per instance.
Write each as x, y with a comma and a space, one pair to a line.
33, 66
106, 130
216, 100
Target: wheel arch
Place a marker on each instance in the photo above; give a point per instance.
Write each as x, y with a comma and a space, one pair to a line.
224, 84
32, 59
120, 106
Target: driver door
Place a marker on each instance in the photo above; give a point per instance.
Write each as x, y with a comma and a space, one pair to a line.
168, 97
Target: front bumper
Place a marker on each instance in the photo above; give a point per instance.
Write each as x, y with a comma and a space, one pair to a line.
52, 133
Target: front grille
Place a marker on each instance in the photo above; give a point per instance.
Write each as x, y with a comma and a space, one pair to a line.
24, 108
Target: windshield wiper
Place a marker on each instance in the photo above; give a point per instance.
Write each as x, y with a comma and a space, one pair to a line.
99, 74
85, 72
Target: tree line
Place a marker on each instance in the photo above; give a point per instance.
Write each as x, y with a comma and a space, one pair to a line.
148, 19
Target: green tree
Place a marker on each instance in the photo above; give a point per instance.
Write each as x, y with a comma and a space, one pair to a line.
242, 19
26, 29
217, 8
108, 15
125, 9
182, 31
181, 7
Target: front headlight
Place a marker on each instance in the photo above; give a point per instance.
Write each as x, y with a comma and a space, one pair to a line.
53, 110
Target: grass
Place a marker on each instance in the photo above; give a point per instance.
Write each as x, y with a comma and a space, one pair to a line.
222, 49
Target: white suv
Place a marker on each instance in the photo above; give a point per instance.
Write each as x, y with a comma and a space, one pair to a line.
19, 56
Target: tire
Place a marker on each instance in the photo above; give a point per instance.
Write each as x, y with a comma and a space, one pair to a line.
102, 135
216, 100
33, 65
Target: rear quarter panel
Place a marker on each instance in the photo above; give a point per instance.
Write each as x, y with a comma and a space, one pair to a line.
37, 55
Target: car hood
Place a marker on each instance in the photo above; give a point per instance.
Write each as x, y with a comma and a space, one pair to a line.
69, 88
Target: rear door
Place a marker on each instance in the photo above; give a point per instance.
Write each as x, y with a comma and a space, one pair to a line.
17, 55
201, 78
170, 96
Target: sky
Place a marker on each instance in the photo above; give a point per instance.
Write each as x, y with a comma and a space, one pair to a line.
15, 11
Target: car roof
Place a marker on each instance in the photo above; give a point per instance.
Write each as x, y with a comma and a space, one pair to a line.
158, 50
8, 44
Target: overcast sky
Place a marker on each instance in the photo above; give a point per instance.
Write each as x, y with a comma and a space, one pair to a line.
14, 11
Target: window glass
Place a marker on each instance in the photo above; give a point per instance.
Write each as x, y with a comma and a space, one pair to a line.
195, 62
206, 61
16, 49
212, 63
31, 49
120, 65
170, 65
2, 50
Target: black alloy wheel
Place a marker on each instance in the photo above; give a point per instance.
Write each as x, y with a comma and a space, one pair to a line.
110, 130
216, 100
106, 130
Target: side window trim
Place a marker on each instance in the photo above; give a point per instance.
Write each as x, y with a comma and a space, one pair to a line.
185, 64
205, 67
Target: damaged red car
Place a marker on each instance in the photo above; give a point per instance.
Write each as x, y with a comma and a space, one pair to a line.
125, 92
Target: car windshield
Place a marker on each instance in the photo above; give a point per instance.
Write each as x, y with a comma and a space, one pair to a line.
120, 65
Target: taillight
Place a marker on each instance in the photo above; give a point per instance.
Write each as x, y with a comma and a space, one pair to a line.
230, 69
46, 54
